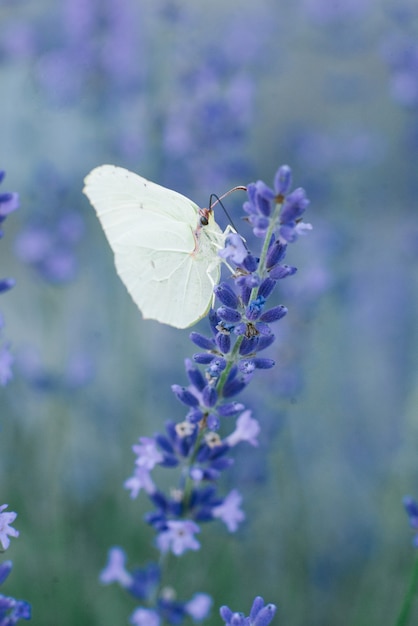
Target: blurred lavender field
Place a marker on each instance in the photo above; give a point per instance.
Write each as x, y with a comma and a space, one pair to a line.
200, 97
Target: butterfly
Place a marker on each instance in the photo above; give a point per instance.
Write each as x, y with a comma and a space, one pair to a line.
165, 247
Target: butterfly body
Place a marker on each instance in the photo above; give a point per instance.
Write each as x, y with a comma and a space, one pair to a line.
165, 247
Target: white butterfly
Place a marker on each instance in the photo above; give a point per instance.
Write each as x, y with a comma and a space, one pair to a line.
165, 247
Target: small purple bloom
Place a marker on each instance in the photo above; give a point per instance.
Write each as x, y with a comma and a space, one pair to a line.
6, 530
229, 511
199, 606
247, 429
147, 453
115, 571
145, 617
139, 480
178, 537
234, 249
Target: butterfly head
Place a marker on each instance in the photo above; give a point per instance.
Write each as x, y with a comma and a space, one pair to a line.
204, 216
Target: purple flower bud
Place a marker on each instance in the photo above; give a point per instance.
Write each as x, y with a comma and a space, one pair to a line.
266, 287
164, 443
209, 396
223, 341
213, 321
276, 253
264, 198
265, 616
257, 605
250, 263
248, 345
226, 295
260, 225
265, 341
283, 180
251, 192
263, 328
229, 315
194, 415
216, 367
245, 291
263, 364
281, 271
232, 408
233, 387
213, 422
294, 206
274, 314
169, 460
195, 375
203, 358
201, 341
184, 395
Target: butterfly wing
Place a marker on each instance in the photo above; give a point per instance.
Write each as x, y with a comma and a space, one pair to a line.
169, 274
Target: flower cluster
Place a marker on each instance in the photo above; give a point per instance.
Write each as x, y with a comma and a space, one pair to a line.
11, 610
260, 614
143, 583
227, 360
8, 202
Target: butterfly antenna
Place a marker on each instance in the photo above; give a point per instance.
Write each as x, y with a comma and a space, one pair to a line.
218, 200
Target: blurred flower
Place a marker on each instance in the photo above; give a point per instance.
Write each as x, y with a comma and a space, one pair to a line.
50, 247
5, 529
247, 429
411, 507
178, 537
260, 614
11, 610
199, 606
6, 362
115, 570
145, 617
229, 511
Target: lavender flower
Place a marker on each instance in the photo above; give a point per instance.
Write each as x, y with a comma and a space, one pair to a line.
260, 614
227, 361
9, 202
11, 610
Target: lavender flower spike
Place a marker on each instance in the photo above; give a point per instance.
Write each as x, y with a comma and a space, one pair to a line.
260, 614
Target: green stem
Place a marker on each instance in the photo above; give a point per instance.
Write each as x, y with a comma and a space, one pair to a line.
233, 357
267, 239
409, 596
